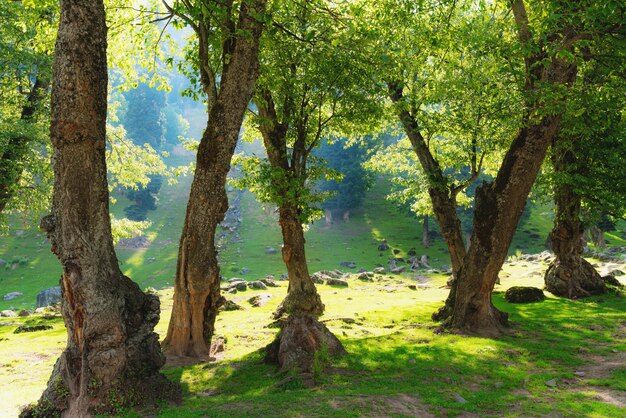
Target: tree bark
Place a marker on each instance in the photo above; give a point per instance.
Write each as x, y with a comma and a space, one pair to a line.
425, 233
597, 237
569, 275
12, 159
112, 357
196, 289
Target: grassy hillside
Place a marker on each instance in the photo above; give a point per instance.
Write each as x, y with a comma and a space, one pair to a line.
327, 245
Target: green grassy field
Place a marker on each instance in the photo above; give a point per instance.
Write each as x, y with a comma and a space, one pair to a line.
154, 266
397, 365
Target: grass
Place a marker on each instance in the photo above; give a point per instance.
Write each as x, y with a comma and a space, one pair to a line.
397, 365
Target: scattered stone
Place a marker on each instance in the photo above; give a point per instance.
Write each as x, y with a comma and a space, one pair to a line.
498, 385
550, 383
2, 262
524, 294
412, 252
24, 312
270, 250
12, 295
8, 313
259, 300
579, 374
336, 282
49, 297
396, 252
412, 286
424, 261
398, 270
245, 270
380, 270
229, 305
458, 398
269, 281
318, 278
151, 260
218, 345
361, 270
366, 276
612, 281
257, 284
348, 264
383, 246
32, 328
283, 277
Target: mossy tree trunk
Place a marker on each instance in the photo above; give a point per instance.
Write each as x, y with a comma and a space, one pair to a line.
196, 287
569, 275
112, 357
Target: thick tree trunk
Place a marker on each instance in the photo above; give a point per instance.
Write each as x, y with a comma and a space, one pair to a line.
597, 236
12, 159
569, 275
196, 289
112, 357
425, 233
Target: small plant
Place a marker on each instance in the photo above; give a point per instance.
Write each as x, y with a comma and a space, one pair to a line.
321, 360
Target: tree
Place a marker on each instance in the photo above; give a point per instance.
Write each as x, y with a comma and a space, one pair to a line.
225, 56
144, 119
588, 157
305, 92
112, 356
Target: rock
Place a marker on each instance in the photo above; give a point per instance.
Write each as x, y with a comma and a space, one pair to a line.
348, 264
524, 294
335, 274
270, 250
151, 260
579, 374
269, 282
336, 282
412, 286
383, 246
318, 278
424, 261
550, 383
41, 310
24, 312
614, 273
49, 297
498, 385
8, 313
366, 276
245, 270
458, 398
612, 281
412, 252
257, 285
12, 295
380, 270
32, 328
396, 252
229, 305
218, 345
398, 270
283, 277
259, 300
362, 270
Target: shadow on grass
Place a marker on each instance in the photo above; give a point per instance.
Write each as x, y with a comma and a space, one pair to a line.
413, 365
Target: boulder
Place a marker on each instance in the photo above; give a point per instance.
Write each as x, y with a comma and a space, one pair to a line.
412, 252
8, 313
259, 285
524, 294
32, 328
12, 295
318, 278
49, 297
336, 282
383, 246
611, 281
424, 261
366, 276
270, 282
615, 273
283, 277
259, 300
398, 270
229, 305
270, 250
24, 312
348, 264
380, 270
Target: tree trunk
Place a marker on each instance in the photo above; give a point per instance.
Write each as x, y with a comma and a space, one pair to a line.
12, 159
346, 215
597, 237
328, 214
112, 357
196, 289
569, 275
425, 233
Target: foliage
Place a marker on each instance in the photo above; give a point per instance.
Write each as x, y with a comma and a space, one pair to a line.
144, 119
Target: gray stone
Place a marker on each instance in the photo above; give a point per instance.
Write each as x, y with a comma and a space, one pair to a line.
2, 262
398, 270
550, 383
318, 278
366, 276
12, 295
245, 270
348, 264
283, 277
336, 282
579, 374
8, 313
380, 270
458, 398
49, 297
259, 300
229, 305
383, 246
270, 250
259, 285
270, 282
24, 312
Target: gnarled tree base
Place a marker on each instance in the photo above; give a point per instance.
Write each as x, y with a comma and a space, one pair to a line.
300, 338
305, 302
573, 282
483, 320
